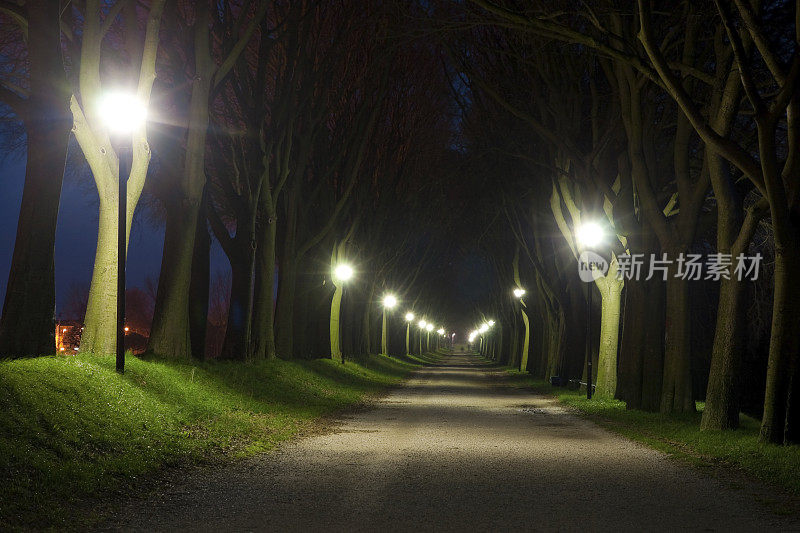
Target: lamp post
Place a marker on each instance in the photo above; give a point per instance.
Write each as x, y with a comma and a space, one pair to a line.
422, 323
341, 274
389, 302
588, 236
409, 320
122, 113
440, 331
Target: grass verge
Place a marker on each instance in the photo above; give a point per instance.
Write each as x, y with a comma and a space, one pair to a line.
679, 435
72, 429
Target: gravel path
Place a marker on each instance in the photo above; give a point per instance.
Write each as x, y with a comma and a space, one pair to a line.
457, 449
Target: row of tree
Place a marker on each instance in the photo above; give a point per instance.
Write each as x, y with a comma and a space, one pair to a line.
680, 131
285, 130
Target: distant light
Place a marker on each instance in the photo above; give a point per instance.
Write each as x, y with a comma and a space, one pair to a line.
484, 328
519, 293
422, 324
409, 317
440, 331
429, 327
122, 112
62, 349
343, 272
127, 329
63, 330
389, 301
491, 323
589, 234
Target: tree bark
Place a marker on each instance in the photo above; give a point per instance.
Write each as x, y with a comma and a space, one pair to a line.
264, 302
27, 324
100, 327
676, 391
199, 287
783, 347
170, 335
611, 294
287, 281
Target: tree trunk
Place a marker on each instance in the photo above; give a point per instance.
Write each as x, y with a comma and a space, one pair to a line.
611, 296
170, 335
26, 325
100, 326
514, 353
336, 304
783, 345
264, 303
199, 287
676, 391
366, 322
523, 357
287, 281
629, 382
722, 396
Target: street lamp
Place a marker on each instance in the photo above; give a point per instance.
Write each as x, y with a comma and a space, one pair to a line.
409, 320
422, 323
341, 274
589, 236
122, 113
519, 293
389, 302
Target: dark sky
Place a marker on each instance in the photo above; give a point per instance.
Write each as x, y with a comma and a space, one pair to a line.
76, 238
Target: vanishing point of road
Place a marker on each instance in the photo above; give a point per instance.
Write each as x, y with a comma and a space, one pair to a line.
458, 448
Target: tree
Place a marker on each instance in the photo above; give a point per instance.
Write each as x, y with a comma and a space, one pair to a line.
235, 26
41, 101
99, 335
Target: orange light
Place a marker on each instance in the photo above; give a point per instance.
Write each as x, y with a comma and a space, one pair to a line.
61, 349
127, 329
63, 330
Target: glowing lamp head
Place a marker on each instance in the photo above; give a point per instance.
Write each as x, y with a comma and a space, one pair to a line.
589, 235
122, 112
343, 272
422, 324
429, 327
519, 293
389, 301
409, 317
484, 328
491, 323
440, 331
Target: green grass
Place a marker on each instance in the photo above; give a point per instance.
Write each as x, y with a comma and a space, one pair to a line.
679, 435
72, 429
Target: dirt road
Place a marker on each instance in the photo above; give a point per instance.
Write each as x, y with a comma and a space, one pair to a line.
457, 449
